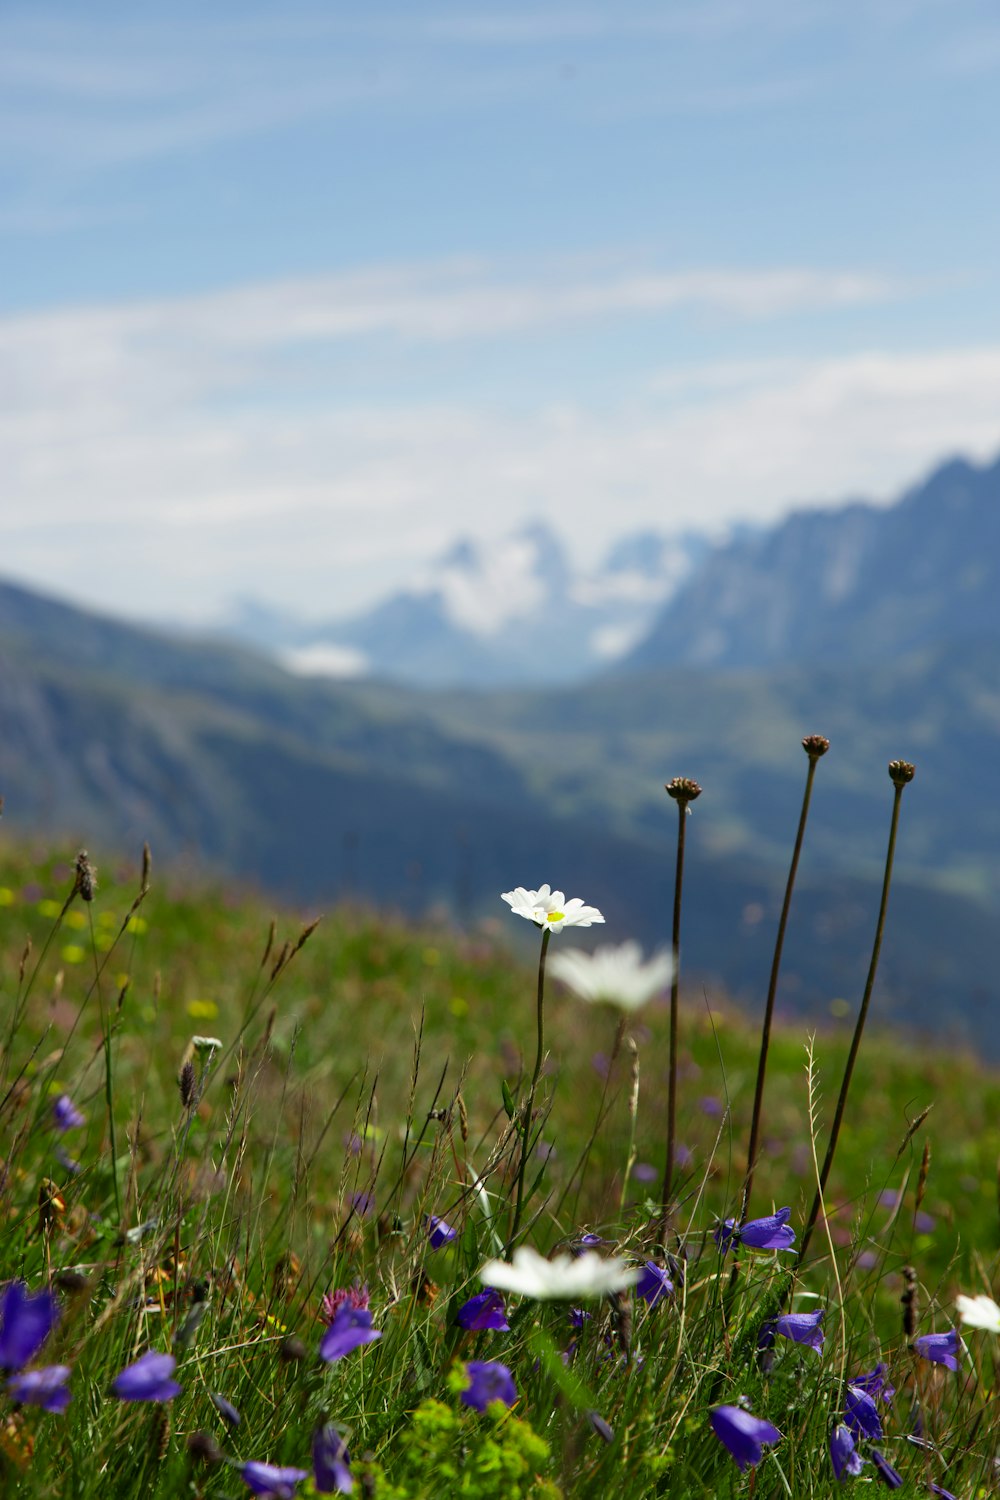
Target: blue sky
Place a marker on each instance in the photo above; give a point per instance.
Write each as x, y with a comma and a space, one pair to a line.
292, 296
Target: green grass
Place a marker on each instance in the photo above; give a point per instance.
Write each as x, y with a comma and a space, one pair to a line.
369, 1058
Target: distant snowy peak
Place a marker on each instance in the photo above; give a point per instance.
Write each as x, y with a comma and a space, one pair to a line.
500, 613
485, 586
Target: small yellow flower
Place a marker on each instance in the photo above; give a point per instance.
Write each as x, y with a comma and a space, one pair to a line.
202, 1010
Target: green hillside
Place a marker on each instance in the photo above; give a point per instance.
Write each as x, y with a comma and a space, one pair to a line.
428, 802
363, 1080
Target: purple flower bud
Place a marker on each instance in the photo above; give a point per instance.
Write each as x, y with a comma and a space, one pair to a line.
937, 1489
653, 1283
886, 1472
602, 1428
801, 1328
149, 1379
861, 1414
940, 1348
489, 1380
485, 1310
351, 1328
845, 1458
770, 1233
743, 1434
26, 1321
438, 1232
65, 1115
331, 1462
227, 1411
272, 1481
45, 1388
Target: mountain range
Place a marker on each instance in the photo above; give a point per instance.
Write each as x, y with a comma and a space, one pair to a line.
512, 612
417, 798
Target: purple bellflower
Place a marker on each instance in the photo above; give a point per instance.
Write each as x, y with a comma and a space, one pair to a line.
801, 1328
861, 1414
485, 1310
149, 1379
45, 1388
489, 1381
940, 1348
743, 1434
351, 1328
438, 1232
653, 1283
65, 1115
331, 1462
876, 1383
888, 1475
271, 1480
770, 1233
26, 1320
846, 1459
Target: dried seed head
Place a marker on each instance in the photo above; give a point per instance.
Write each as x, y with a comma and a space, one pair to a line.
188, 1085
86, 877
925, 1167
683, 789
815, 745
70, 1281
202, 1445
908, 1301
900, 772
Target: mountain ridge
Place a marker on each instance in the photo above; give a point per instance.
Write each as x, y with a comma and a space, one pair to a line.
843, 584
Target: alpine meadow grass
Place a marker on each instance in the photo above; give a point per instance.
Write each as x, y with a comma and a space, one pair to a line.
308, 1206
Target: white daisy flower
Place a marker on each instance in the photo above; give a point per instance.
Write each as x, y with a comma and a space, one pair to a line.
979, 1312
615, 974
550, 909
564, 1277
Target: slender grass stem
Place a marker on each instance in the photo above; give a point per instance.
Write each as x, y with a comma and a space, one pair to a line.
529, 1105
579, 1172
683, 790
815, 746
901, 772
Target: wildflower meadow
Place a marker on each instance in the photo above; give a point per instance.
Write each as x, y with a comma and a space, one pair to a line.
334, 1204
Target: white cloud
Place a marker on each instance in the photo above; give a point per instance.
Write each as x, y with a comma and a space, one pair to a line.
156, 457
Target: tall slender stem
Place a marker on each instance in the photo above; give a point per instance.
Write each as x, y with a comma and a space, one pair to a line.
815, 746
901, 773
684, 791
529, 1106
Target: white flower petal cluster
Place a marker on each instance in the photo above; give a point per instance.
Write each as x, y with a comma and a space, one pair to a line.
547, 908
979, 1312
616, 974
564, 1277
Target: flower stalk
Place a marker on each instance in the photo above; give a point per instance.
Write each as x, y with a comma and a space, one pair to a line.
684, 791
529, 1105
815, 746
901, 774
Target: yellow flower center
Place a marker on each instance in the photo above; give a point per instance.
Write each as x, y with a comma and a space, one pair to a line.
554, 916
